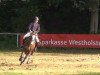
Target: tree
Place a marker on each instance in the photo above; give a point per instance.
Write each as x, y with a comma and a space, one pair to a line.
17, 14
93, 6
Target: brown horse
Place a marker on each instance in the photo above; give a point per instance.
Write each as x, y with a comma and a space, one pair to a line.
28, 50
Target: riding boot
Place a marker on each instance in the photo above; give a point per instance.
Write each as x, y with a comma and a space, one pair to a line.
36, 47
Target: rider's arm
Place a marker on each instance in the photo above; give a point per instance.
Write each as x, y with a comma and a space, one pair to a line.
38, 30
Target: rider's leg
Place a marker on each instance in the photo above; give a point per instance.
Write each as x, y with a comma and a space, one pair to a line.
37, 41
26, 35
33, 39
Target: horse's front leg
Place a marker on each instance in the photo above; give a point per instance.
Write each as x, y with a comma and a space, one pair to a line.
21, 55
24, 56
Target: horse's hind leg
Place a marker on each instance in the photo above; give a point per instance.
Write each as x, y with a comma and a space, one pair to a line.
30, 57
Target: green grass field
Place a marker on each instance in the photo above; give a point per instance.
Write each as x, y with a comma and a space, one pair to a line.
55, 62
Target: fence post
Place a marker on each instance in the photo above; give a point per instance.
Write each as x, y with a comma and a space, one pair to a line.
17, 40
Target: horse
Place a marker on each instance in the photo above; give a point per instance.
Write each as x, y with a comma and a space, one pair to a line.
27, 50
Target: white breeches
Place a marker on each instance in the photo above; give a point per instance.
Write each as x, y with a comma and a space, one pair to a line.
33, 37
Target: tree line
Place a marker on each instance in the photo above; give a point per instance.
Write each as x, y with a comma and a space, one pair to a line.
56, 16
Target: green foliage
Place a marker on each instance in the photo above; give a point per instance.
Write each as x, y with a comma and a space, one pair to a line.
85, 4
15, 15
8, 42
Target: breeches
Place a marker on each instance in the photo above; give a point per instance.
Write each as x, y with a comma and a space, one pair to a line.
34, 37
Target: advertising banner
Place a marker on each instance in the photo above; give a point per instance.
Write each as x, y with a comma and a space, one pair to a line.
69, 40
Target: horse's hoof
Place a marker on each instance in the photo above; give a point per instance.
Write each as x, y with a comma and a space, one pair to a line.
29, 61
19, 59
20, 63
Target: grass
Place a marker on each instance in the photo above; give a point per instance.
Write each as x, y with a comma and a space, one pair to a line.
24, 73
48, 61
11, 73
52, 62
69, 50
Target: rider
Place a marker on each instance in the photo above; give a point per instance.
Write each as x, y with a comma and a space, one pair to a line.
34, 28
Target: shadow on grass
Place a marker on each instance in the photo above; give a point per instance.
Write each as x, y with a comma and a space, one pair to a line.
58, 50
89, 74
11, 73
10, 50
69, 50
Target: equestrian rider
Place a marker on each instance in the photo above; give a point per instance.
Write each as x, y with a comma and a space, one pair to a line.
34, 28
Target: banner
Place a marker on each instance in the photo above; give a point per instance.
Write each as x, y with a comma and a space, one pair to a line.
70, 40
